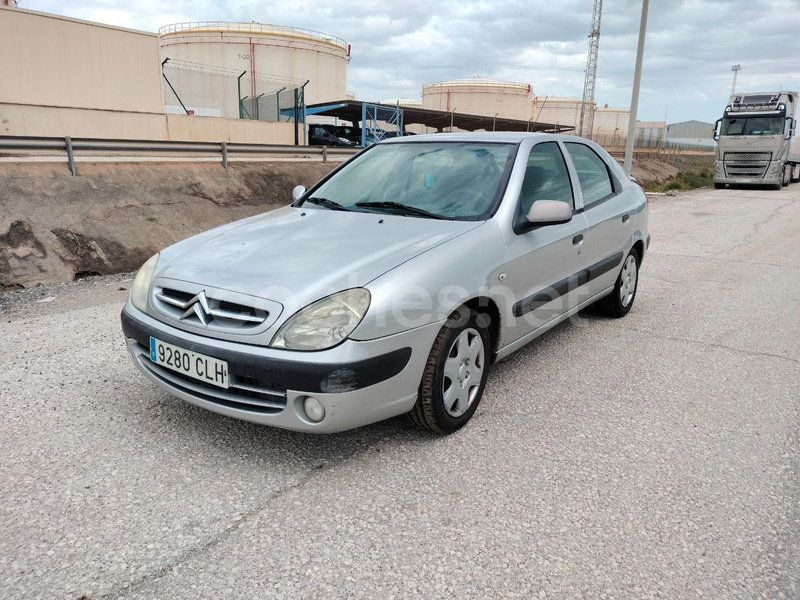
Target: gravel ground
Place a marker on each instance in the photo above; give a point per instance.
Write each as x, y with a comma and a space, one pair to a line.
652, 457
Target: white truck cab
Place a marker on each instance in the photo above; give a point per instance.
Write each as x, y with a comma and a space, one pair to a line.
756, 141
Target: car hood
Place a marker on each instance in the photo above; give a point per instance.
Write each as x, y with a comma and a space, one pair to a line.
295, 256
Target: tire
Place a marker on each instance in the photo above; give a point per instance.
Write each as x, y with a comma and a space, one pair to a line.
719, 186
795, 170
455, 375
619, 302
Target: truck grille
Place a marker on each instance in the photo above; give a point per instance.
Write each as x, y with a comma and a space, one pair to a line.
752, 165
243, 393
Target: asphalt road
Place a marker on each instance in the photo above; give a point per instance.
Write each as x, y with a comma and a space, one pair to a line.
653, 457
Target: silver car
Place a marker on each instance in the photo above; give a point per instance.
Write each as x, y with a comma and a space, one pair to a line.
393, 284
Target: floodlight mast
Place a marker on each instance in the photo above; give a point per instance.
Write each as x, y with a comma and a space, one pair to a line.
586, 123
735, 69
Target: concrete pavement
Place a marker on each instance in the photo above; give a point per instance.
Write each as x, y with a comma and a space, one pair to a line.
656, 456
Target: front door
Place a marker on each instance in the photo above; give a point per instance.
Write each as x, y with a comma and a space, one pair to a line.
543, 262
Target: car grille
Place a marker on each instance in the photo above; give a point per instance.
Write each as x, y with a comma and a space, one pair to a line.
206, 310
747, 164
243, 393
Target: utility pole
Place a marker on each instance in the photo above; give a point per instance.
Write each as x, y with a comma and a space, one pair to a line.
735, 69
586, 123
637, 78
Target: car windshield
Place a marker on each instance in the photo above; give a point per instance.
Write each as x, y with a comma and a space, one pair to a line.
752, 126
428, 180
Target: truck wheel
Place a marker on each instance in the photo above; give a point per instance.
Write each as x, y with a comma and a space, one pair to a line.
718, 186
795, 173
786, 175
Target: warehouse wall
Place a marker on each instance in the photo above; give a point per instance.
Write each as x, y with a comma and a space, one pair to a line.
49, 60
27, 120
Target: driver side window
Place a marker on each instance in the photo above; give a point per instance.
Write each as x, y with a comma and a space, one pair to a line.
546, 178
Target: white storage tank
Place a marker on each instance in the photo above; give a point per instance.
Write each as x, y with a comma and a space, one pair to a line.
402, 102
478, 96
271, 56
558, 111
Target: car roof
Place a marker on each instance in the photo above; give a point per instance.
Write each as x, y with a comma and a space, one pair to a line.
506, 137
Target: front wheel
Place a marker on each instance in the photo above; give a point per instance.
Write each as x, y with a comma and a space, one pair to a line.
619, 302
455, 375
718, 186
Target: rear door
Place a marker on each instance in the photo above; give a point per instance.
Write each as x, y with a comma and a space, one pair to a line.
543, 262
609, 210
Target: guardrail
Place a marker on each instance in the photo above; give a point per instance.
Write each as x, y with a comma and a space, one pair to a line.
223, 149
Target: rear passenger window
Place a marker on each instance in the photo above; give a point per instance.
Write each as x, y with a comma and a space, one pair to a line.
546, 178
593, 174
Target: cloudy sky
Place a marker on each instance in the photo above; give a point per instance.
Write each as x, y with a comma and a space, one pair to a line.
397, 45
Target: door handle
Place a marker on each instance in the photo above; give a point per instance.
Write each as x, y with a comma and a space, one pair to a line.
577, 240
625, 219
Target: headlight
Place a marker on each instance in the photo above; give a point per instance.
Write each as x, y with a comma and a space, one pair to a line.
345, 141
324, 323
142, 283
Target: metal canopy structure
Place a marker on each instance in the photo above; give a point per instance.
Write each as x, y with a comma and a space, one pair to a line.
357, 112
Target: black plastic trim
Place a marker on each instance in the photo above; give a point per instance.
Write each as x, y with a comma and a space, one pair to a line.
285, 374
565, 286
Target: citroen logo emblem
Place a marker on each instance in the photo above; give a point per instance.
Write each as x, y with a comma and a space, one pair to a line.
198, 306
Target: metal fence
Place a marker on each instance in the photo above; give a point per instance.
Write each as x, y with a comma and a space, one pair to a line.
210, 92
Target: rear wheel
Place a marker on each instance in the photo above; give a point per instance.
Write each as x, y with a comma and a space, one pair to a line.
619, 302
795, 176
455, 375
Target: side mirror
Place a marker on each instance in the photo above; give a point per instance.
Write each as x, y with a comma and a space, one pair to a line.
632, 178
549, 212
298, 192
790, 127
716, 129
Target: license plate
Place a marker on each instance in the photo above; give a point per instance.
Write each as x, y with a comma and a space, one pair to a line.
195, 365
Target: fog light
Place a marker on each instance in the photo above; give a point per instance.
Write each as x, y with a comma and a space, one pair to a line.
313, 409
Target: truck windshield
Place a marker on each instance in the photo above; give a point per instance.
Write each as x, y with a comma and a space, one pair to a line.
752, 125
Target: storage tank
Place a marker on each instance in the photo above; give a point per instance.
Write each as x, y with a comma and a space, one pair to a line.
478, 96
270, 56
559, 111
402, 102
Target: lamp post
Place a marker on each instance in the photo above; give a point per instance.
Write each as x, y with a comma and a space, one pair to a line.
494, 121
735, 69
452, 112
637, 78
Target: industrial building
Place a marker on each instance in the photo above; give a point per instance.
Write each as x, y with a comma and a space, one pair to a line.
62, 76
67, 77
691, 134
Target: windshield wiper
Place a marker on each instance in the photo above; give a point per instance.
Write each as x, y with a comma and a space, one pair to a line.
402, 208
326, 203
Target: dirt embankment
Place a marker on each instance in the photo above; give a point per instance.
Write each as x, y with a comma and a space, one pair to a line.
110, 219
647, 172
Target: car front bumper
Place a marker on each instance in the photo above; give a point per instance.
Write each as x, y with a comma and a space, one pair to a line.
357, 382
